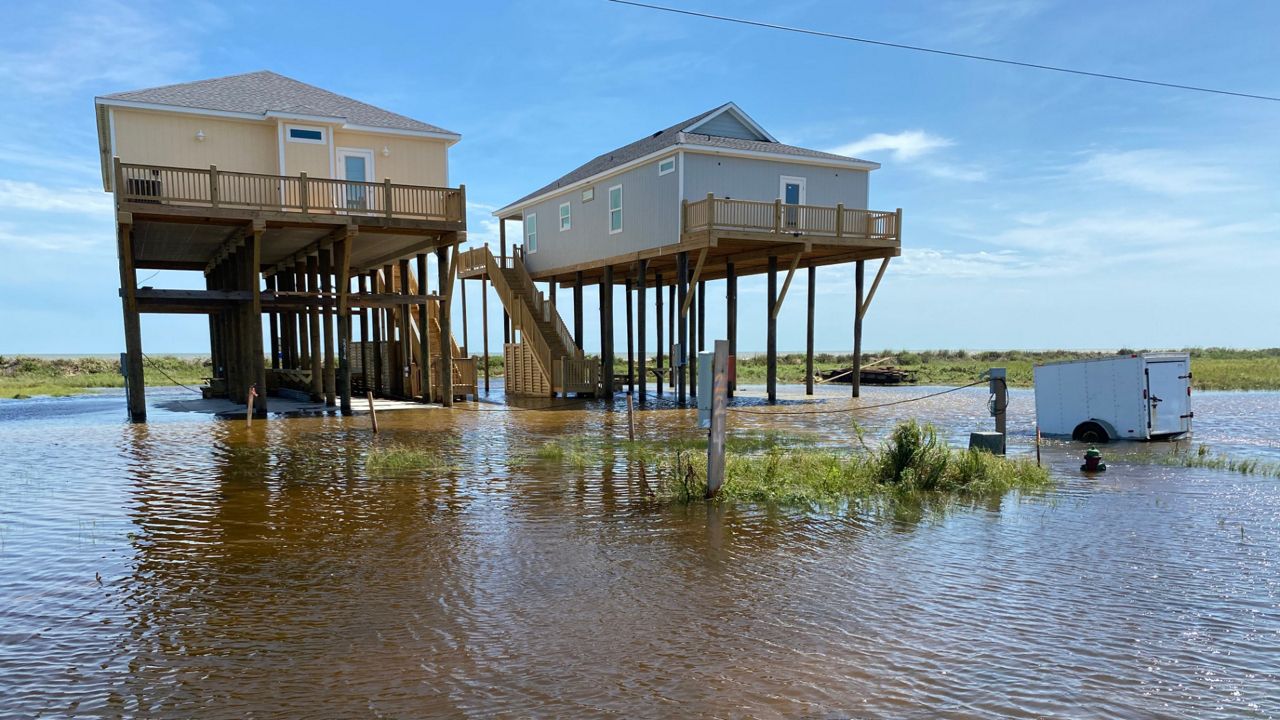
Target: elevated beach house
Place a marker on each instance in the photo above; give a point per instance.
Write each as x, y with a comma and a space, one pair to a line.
712, 197
299, 205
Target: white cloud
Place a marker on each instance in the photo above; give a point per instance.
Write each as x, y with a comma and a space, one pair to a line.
25, 239
21, 195
904, 146
933, 262
1159, 171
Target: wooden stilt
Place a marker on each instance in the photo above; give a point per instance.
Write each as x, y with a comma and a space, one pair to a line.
606, 330
642, 268
326, 331
859, 277
808, 344
631, 339
134, 379
424, 333
301, 281
462, 294
682, 331
378, 347
771, 347
731, 319
274, 328
342, 269
484, 329
313, 320
446, 257
366, 361
692, 355
658, 319
502, 254
577, 308
406, 335
253, 315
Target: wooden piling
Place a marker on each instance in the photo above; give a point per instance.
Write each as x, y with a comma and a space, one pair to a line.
343, 279
692, 354
424, 332
136, 397
631, 339
405, 354
377, 346
484, 329
642, 268
326, 333
682, 330
856, 378
606, 330
373, 412
577, 309
446, 259
808, 343
502, 256
273, 330
313, 321
253, 315
658, 319
731, 317
716, 436
462, 294
771, 343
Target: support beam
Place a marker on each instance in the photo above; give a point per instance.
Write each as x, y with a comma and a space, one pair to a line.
484, 329
682, 331
658, 319
253, 316
502, 254
424, 332
366, 362
447, 264
642, 269
689, 281
606, 330
786, 284
274, 329
326, 332
884, 264
631, 340
313, 320
342, 262
731, 319
771, 343
303, 319
808, 343
694, 316
462, 294
134, 379
856, 380
405, 355
577, 309
378, 348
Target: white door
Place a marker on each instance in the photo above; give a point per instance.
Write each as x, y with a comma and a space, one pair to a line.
1167, 397
357, 166
791, 192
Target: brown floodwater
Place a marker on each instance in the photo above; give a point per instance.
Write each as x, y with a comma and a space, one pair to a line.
196, 567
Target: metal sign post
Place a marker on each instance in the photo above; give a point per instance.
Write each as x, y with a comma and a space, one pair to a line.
719, 411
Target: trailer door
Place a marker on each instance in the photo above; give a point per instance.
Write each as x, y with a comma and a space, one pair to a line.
1167, 398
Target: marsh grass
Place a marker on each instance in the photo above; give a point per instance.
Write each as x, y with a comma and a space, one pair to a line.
402, 459
24, 377
1203, 457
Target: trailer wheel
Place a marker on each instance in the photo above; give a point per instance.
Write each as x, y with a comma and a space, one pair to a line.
1090, 432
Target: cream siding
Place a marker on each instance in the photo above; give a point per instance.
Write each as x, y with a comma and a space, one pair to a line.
310, 158
409, 160
169, 139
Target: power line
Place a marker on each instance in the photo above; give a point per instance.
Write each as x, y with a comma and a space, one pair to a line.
948, 53
859, 408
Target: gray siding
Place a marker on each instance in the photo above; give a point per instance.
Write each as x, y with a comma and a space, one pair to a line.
751, 179
726, 125
650, 215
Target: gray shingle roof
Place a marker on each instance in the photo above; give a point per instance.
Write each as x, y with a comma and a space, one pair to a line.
671, 137
264, 91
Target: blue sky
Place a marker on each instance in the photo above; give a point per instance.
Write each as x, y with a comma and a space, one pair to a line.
1041, 210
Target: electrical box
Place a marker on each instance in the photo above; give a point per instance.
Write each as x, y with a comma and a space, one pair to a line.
706, 379
996, 378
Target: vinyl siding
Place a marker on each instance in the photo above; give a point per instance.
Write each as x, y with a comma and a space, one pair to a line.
169, 139
650, 215
752, 179
409, 160
726, 125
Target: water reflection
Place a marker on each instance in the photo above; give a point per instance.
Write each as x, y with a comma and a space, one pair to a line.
260, 570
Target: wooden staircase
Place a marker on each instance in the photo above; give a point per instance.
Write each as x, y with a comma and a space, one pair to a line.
544, 361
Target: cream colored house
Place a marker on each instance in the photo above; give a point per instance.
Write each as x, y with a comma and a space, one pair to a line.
298, 204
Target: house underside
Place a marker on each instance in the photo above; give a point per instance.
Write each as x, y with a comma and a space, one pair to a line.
722, 239
311, 256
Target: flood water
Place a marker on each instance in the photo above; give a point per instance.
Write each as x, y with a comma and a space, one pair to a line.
197, 567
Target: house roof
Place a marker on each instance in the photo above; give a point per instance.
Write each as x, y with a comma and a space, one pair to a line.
676, 137
265, 93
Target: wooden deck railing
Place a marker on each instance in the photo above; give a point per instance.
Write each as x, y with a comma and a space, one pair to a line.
192, 187
778, 218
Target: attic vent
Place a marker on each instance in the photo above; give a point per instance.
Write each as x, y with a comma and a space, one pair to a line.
657, 133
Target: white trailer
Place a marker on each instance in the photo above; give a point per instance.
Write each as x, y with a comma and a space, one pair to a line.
1127, 397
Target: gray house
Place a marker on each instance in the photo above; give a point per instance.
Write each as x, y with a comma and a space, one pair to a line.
715, 196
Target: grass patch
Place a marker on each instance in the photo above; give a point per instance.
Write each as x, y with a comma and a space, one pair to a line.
911, 463
23, 377
400, 459
1204, 458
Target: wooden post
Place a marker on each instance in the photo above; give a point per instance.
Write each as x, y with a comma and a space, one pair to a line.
856, 379
658, 319
424, 332
379, 347
502, 259
405, 368
719, 417
631, 339
692, 355
702, 324
214, 194
771, 344
808, 344
577, 308
373, 412
343, 270
313, 319
462, 293
301, 283
642, 268
326, 336
631, 418
248, 405
731, 317
134, 379
446, 259
606, 330
484, 329
253, 315
273, 331
304, 193
682, 331
366, 362
386, 198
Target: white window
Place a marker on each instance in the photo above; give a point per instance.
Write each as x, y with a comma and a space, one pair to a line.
589, 194
305, 134
667, 166
615, 209
531, 233
566, 218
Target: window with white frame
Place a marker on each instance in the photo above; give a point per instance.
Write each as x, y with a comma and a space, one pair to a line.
566, 217
305, 134
667, 166
531, 233
615, 209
